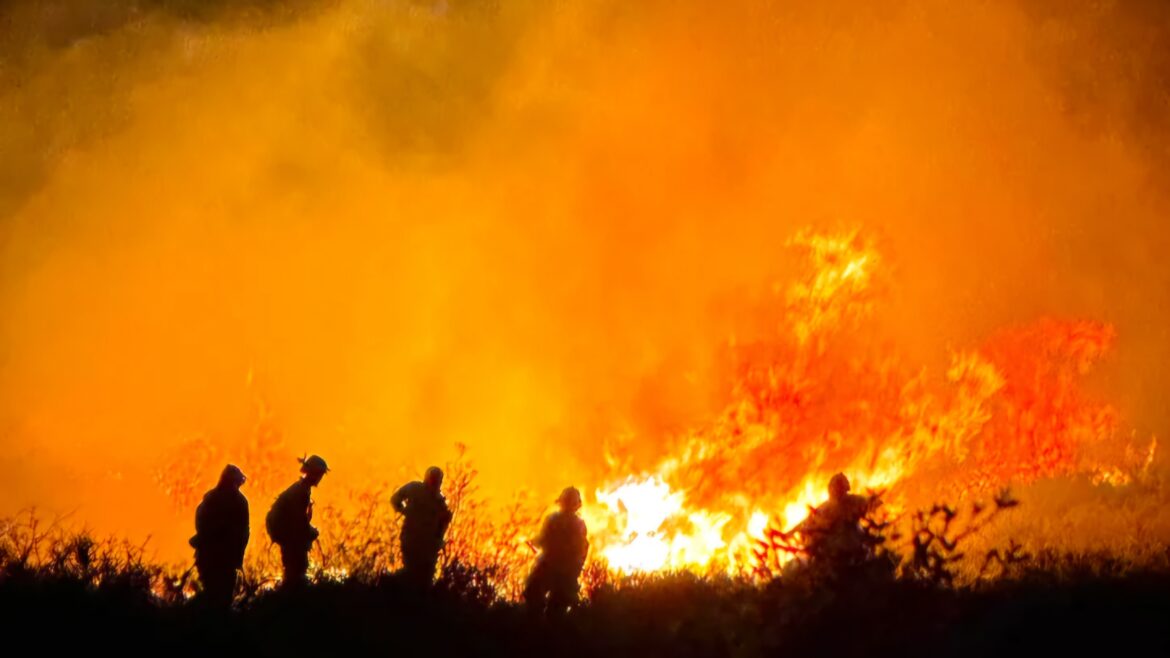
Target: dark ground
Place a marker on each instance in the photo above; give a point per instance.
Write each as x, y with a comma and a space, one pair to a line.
1041, 613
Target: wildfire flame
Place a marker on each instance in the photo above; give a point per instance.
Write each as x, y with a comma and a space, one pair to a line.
803, 408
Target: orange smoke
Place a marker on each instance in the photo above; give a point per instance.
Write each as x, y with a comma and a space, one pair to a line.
691, 257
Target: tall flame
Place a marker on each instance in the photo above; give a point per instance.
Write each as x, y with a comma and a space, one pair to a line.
805, 406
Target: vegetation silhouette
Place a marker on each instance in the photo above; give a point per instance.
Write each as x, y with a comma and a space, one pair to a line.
915, 593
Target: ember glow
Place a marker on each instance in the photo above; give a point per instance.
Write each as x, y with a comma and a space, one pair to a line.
693, 258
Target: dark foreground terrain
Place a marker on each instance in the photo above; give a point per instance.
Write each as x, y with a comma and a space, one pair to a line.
1070, 606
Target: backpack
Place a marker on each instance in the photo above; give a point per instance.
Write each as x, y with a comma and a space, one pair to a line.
280, 521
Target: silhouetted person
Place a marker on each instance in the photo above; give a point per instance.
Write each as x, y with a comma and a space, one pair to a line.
833, 532
290, 522
426, 517
552, 585
221, 535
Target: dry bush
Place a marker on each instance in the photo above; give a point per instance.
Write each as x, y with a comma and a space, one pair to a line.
487, 556
493, 546
32, 550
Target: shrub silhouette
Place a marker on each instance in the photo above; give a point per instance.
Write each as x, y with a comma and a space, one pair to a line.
912, 597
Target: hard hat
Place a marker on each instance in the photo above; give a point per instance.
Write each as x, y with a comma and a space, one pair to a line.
313, 464
570, 497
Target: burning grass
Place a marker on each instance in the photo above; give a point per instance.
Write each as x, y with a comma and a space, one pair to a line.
912, 597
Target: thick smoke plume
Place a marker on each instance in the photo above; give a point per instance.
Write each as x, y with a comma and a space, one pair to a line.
374, 229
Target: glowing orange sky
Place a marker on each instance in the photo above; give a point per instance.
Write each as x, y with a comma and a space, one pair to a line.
531, 229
